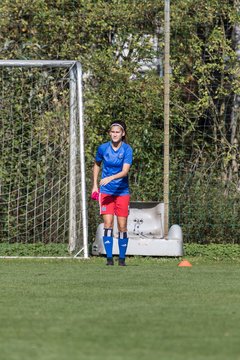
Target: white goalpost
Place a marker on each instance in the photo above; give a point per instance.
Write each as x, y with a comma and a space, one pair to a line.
42, 161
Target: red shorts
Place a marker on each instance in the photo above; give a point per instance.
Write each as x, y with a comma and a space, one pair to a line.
114, 205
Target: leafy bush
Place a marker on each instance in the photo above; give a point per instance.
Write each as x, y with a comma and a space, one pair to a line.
213, 251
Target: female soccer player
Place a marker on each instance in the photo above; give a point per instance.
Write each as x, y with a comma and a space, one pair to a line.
116, 159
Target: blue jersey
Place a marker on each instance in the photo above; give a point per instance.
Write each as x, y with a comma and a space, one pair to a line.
113, 162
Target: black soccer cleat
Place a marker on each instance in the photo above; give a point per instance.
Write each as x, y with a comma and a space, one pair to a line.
121, 262
110, 262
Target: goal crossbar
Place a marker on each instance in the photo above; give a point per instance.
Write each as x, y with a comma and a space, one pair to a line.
38, 63
75, 90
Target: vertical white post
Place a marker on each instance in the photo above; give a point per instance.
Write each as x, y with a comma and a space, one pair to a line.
82, 159
72, 162
166, 115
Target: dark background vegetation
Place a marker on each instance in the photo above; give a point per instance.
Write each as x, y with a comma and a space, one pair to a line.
123, 79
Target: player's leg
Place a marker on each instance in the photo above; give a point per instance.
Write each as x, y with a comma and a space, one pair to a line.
122, 210
107, 211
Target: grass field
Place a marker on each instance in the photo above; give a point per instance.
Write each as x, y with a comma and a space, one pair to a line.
151, 309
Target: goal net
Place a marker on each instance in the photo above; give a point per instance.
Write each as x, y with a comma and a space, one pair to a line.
42, 171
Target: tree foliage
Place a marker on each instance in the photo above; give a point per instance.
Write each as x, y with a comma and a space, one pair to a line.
115, 40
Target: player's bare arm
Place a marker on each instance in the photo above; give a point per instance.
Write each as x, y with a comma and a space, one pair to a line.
96, 170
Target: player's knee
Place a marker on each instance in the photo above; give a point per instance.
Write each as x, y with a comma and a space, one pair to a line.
108, 225
122, 227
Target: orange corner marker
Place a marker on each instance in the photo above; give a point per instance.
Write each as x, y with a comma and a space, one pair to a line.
185, 263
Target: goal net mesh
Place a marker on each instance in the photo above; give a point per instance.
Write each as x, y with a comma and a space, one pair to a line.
35, 162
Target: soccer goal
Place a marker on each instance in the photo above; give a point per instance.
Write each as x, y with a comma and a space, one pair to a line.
42, 165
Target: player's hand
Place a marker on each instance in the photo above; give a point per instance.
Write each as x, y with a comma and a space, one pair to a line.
95, 189
106, 180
